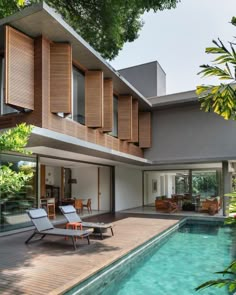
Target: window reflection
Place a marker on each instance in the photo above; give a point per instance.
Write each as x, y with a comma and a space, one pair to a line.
78, 100
115, 117
14, 203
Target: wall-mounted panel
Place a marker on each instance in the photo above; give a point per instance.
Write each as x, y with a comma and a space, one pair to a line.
108, 105
145, 140
60, 78
94, 99
134, 124
125, 117
19, 69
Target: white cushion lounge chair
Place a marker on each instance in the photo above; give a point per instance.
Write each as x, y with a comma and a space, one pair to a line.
71, 216
45, 227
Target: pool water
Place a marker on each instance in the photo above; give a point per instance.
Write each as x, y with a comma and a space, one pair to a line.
188, 258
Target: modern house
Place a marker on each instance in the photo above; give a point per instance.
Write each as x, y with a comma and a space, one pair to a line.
110, 136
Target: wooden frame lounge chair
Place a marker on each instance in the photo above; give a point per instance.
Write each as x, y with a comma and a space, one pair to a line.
45, 227
72, 217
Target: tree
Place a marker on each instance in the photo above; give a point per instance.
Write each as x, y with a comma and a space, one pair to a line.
15, 140
106, 25
220, 98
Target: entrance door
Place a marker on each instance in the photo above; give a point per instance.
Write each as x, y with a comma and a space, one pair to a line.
104, 188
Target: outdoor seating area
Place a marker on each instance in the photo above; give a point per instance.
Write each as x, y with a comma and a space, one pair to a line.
44, 227
210, 205
74, 220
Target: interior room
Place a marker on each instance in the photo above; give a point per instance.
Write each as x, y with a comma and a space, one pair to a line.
85, 186
184, 190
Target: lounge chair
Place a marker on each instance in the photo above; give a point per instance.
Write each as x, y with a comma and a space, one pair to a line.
72, 217
45, 227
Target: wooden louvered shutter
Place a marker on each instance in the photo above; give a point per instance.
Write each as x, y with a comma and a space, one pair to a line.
134, 124
125, 117
145, 131
94, 99
108, 105
60, 78
19, 67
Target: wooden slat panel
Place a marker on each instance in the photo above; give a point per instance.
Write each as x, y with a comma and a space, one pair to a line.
145, 140
125, 117
135, 150
91, 135
115, 144
108, 105
134, 121
42, 181
60, 78
19, 65
109, 141
100, 138
124, 146
94, 99
80, 131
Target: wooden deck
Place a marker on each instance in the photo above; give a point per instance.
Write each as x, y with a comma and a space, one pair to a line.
52, 266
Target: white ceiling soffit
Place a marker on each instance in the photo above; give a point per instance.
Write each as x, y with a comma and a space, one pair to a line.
40, 19
49, 143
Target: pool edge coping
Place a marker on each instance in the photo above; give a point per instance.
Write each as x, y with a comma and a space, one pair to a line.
168, 231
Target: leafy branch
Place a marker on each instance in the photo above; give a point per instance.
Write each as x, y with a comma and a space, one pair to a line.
220, 98
230, 283
16, 139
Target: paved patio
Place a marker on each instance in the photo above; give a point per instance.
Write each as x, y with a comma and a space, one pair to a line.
52, 266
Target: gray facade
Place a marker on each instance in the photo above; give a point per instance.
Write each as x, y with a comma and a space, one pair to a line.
149, 78
186, 134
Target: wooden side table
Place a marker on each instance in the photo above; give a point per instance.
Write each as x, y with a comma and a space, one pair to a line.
74, 225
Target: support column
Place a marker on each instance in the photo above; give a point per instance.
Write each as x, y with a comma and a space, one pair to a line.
227, 184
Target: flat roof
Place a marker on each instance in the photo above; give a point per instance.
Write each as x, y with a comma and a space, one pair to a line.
40, 19
173, 99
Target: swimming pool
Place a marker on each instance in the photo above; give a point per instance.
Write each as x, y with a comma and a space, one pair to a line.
175, 264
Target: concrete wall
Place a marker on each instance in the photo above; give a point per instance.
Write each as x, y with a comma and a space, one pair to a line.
149, 78
53, 176
87, 186
186, 133
128, 188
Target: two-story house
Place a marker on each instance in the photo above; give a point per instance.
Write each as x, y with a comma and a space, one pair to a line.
110, 136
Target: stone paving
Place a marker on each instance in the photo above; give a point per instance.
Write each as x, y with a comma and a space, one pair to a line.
51, 266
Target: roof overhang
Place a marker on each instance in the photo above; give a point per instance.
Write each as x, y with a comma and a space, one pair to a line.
170, 100
45, 142
40, 19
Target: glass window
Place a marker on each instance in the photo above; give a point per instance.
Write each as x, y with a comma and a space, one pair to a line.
115, 117
205, 183
15, 200
78, 97
5, 109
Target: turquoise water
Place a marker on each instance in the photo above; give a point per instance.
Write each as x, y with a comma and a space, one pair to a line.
188, 258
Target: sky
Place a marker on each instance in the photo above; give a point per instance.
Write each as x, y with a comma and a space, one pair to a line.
177, 39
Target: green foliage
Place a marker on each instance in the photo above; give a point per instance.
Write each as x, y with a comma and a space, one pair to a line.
206, 182
106, 25
232, 209
11, 181
220, 98
229, 282
16, 139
